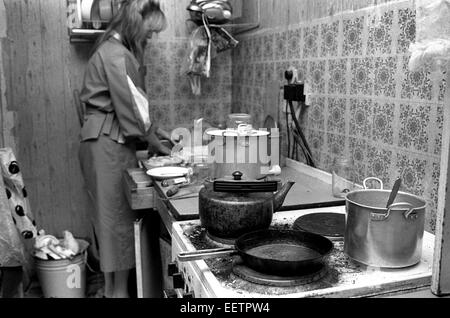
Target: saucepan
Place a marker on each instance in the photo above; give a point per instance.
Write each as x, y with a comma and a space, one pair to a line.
381, 236
273, 252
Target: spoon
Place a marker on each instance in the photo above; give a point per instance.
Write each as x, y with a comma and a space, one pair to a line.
394, 192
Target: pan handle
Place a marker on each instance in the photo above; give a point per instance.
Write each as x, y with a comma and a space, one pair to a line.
374, 179
205, 254
384, 216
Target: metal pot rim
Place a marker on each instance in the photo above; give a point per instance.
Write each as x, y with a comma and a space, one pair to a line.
385, 191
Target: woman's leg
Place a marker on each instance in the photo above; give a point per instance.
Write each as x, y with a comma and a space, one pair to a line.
11, 282
121, 284
109, 285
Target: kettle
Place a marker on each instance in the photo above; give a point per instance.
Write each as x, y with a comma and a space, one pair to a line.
229, 208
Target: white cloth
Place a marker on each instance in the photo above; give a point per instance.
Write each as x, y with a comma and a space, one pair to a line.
432, 47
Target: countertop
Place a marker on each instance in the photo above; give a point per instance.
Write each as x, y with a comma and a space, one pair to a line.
312, 189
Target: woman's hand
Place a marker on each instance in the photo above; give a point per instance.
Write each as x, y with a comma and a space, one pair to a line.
165, 135
155, 145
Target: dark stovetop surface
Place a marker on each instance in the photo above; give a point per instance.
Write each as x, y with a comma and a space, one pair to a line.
337, 262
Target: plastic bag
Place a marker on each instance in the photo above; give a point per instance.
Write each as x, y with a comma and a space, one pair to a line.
432, 47
200, 57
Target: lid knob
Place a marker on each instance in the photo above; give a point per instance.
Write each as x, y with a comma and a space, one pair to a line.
237, 175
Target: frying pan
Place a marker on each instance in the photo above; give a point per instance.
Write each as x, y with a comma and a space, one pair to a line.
274, 252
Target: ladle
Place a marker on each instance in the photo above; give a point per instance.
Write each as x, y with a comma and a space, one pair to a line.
394, 192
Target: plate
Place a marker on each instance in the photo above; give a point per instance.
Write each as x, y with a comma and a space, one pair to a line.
167, 172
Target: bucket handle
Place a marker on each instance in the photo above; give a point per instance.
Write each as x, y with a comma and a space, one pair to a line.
373, 179
407, 214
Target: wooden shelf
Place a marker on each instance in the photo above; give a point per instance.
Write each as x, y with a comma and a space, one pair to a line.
84, 35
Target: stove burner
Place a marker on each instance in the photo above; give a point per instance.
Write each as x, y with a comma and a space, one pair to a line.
314, 274
330, 225
220, 241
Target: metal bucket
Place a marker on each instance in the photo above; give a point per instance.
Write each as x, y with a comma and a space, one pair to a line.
384, 237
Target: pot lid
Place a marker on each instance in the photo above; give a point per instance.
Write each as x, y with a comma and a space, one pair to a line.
237, 185
331, 225
235, 133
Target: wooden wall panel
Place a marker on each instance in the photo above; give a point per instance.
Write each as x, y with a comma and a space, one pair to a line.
41, 69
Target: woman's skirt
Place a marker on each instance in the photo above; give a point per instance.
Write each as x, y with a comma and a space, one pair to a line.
103, 163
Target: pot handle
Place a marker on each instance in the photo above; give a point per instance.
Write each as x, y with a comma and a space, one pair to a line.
384, 216
205, 254
374, 179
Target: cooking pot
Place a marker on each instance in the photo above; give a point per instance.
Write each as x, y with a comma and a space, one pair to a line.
231, 208
384, 237
249, 152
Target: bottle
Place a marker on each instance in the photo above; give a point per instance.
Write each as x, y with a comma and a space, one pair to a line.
343, 177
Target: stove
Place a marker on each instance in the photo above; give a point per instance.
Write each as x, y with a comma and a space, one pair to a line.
339, 276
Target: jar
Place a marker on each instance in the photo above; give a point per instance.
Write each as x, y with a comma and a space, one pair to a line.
342, 177
234, 120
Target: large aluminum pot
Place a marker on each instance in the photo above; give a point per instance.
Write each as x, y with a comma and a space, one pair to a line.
250, 152
384, 237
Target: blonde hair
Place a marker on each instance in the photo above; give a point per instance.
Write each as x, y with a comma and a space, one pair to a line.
129, 23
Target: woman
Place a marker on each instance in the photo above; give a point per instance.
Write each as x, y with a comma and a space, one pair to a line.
117, 117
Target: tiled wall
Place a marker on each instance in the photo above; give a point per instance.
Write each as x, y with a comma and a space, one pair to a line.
364, 103
172, 102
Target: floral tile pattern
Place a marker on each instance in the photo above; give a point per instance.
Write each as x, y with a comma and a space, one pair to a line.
281, 68
182, 88
249, 73
161, 113
316, 113
311, 41
258, 48
317, 76
442, 89
362, 100
258, 96
416, 84
353, 36
179, 52
439, 127
384, 76
336, 144
412, 171
362, 76
155, 52
186, 114
329, 39
434, 195
248, 48
360, 117
407, 26
158, 90
302, 69
336, 115
269, 71
259, 74
414, 124
380, 161
268, 47
358, 155
294, 43
338, 76
383, 130
281, 45
380, 34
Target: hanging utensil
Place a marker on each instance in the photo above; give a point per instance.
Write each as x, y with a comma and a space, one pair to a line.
394, 192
